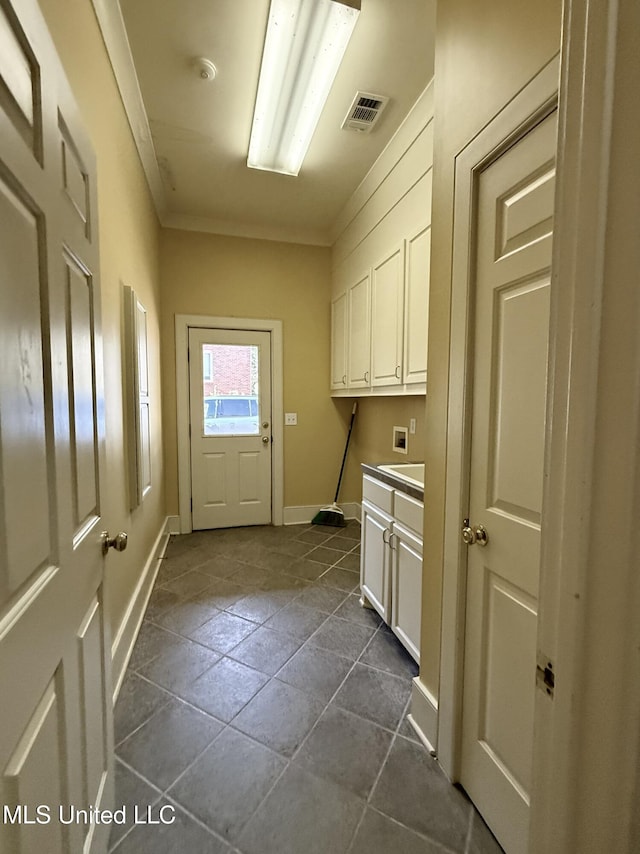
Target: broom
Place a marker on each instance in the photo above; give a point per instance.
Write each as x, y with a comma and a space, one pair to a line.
333, 515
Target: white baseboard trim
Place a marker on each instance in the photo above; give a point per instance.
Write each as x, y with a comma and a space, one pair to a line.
424, 715
305, 513
127, 633
172, 525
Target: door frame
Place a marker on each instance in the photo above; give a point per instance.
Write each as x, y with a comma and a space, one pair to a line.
533, 104
183, 322
587, 739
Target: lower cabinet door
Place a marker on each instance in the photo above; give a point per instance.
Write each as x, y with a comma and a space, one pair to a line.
406, 588
375, 577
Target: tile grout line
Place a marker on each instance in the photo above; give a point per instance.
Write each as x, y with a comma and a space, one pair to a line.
164, 793
225, 725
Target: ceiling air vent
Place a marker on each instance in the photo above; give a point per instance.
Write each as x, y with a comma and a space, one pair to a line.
364, 112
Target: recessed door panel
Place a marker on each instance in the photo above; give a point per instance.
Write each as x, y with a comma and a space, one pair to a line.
521, 323
506, 676
33, 778
20, 82
80, 343
216, 480
25, 499
94, 736
249, 486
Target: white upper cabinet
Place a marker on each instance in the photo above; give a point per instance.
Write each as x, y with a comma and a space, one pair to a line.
387, 316
381, 322
416, 306
359, 333
339, 342
380, 266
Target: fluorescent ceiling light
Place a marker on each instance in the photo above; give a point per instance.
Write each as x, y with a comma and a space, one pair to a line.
305, 43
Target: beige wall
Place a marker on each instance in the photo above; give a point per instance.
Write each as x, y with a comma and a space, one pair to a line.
372, 437
129, 235
485, 53
236, 277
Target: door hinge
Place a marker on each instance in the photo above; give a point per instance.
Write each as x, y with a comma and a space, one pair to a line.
545, 676
192, 505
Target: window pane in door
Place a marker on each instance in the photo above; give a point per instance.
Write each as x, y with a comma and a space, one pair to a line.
230, 390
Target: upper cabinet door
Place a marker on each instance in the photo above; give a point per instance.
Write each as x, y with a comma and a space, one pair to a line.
339, 311
387, 297
416, 306
359, 337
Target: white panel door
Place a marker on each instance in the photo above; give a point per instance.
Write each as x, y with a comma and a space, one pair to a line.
387, 317
230, 422
513, 221
55, 685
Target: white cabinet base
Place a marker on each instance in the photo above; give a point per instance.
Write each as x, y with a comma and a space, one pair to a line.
391, 560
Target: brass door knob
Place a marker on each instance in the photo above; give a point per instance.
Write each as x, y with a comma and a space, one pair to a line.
474, 534
265, 440
119, 542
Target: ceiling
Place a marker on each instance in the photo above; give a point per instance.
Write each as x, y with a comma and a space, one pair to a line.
200, 129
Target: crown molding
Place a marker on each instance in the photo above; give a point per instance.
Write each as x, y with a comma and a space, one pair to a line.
115, 39
281, 234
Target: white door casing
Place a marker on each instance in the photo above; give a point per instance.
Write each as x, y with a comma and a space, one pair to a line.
230, 469
183, 322
56, 735
527, 110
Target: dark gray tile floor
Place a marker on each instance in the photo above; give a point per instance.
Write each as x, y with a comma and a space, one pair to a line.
267, 708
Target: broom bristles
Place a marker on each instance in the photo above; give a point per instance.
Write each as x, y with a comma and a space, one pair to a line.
332, 516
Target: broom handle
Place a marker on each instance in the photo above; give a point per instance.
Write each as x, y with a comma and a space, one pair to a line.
346, 448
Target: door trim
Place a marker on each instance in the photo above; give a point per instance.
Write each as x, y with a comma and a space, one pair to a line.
533, 104
182, 324
587, 740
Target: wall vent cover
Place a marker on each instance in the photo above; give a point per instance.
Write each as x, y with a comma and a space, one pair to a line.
364, 112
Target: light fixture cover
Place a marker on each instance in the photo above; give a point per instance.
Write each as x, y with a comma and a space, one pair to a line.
304, 45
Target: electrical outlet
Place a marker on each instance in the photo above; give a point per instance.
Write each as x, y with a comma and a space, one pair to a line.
291, 419
412, 425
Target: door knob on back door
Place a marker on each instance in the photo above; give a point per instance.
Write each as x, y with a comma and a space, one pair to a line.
265, 440
472, 535
119, 542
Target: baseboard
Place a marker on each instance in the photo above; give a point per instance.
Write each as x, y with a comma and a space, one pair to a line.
305, 513
172, 525
125, 638
424, 715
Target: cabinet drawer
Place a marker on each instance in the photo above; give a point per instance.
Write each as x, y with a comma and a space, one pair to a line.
378, 493
409, 511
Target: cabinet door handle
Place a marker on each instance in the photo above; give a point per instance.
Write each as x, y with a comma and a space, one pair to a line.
384, 540
392, 537
398, 372
344, 379
366, 376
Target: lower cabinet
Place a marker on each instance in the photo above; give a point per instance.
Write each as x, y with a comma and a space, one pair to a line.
375, 564
391, 560
406, 587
